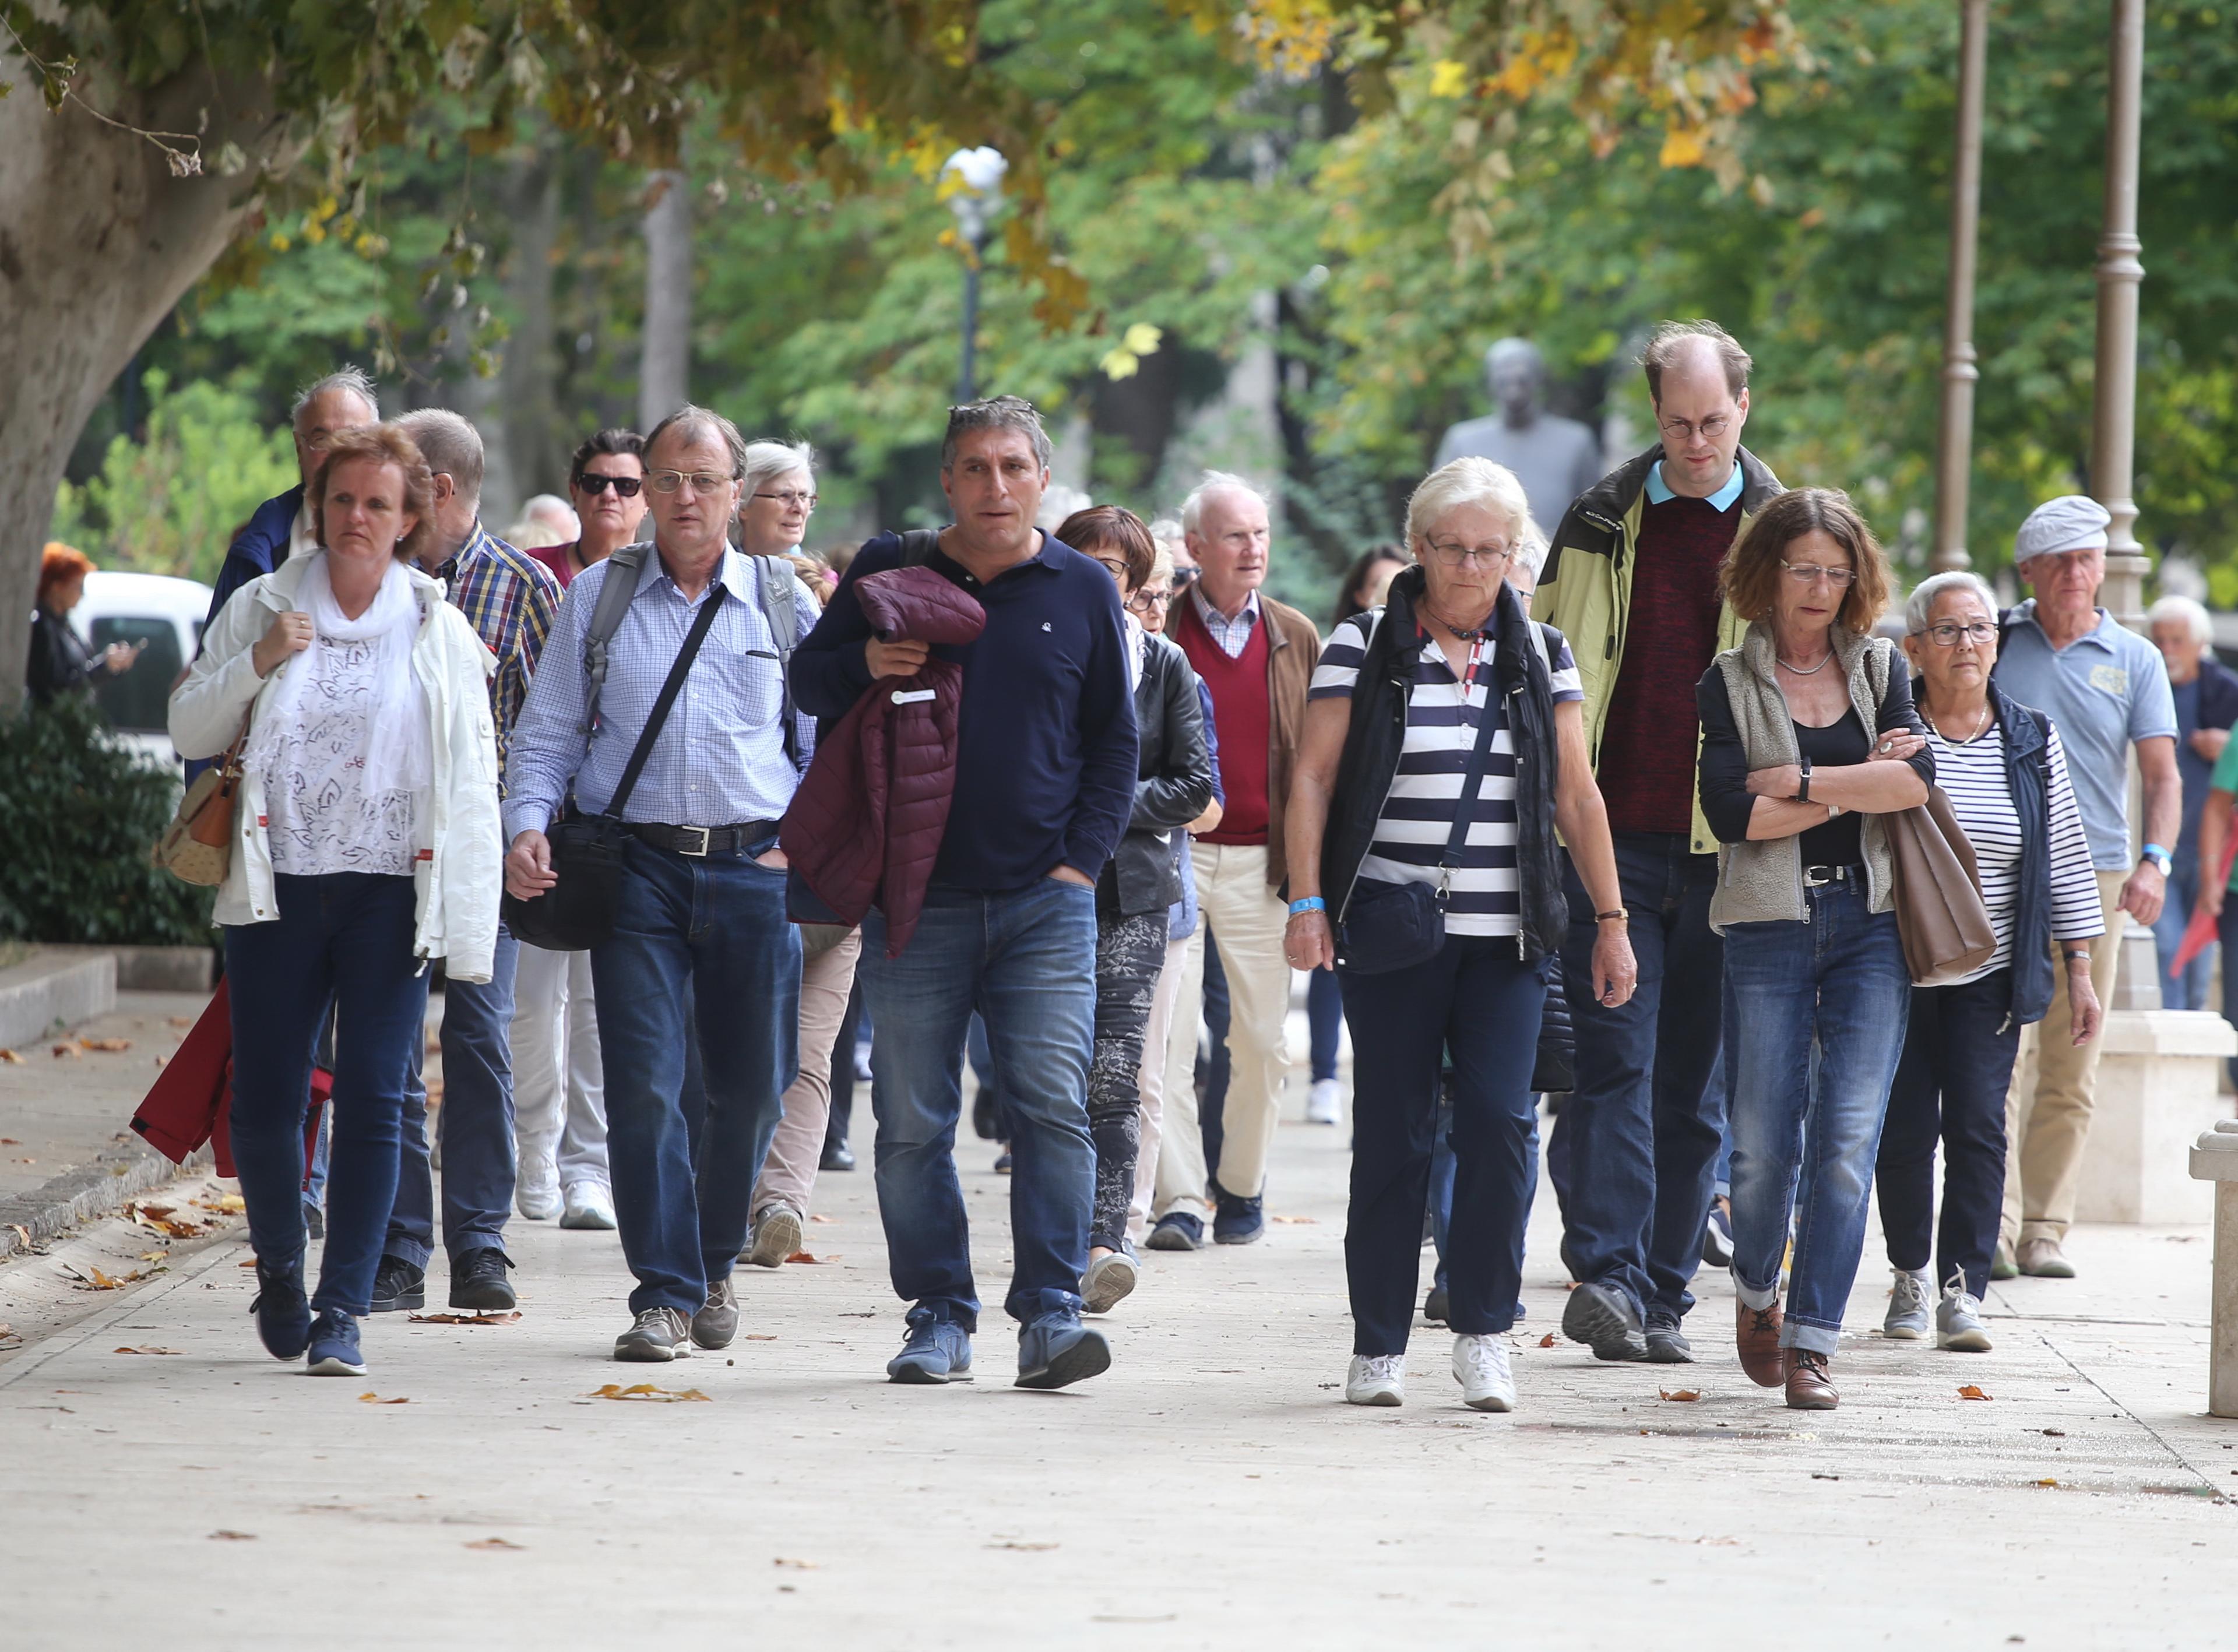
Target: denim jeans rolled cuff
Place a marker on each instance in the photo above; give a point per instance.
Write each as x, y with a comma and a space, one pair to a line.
1806, 1131
346, 938
1025, 959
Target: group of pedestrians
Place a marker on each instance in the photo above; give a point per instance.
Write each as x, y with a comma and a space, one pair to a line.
1049, 779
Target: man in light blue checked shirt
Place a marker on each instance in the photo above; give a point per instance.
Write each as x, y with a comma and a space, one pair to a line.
702, 914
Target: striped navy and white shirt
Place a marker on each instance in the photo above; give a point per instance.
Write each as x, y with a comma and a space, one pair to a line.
1973, 775
1442, 720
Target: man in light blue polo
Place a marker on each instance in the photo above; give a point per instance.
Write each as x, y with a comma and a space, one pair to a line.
2107, 689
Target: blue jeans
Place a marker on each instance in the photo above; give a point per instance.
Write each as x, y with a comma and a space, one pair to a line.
1837, 978
344, 939
1640, 1132
1212, 1094
2187, 990
1479, 1003
711, 932
475, 1123
1025, 961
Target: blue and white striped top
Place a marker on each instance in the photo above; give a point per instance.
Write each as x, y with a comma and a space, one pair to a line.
1441, 729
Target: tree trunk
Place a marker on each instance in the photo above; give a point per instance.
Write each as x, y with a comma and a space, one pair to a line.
664, 377
536, 442
97, 242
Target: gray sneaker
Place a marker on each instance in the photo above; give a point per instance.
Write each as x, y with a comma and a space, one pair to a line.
1909, 1300
1959, 1322
777, 1236
659, 1335
717, 1322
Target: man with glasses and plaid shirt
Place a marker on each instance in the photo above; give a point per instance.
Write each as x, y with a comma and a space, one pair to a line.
509, 599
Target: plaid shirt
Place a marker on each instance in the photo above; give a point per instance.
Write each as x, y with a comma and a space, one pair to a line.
1234, 636
509, 599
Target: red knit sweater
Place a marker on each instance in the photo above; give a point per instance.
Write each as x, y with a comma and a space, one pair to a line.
1244, 721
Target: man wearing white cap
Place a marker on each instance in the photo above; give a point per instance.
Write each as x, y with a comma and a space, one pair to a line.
2107, 689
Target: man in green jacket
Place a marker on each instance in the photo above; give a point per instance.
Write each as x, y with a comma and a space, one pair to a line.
1631, 582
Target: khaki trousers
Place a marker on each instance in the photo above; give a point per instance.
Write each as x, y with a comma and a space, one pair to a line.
2055, 1084
1156, 1035
794, 1151
1246, 919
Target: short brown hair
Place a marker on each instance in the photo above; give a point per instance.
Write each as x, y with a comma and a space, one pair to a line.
1671, 338
59, 564
1113, 527
382, 444
1749, 577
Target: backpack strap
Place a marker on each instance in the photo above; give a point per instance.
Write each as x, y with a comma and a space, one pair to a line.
623, 568
778, 584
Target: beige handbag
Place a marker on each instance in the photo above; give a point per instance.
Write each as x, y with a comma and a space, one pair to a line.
1939, 912
197, 846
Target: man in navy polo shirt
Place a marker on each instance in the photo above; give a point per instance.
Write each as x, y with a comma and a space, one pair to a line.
1045, 767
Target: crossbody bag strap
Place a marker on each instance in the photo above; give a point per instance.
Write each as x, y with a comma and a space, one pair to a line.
669, 690
1472, 777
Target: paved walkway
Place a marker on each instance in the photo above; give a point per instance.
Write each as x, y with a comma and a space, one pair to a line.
1210, 1491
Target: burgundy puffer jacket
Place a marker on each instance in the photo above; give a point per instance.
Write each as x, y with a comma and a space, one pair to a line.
866, 823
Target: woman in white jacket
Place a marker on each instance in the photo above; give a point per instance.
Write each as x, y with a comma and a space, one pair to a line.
368, 845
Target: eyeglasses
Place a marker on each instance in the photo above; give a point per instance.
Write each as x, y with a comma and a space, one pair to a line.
597, 482
1810, 573
702, 481
791, 497
1454, 556
1947, 634
1710, 429
1143, 601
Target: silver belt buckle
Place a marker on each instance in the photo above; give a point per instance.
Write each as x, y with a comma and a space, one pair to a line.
1817, 877
706, 836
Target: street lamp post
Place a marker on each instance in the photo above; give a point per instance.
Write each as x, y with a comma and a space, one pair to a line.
1954, 451
2114, 410
972, 180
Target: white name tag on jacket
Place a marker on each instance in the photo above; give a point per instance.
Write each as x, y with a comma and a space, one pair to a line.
910, 697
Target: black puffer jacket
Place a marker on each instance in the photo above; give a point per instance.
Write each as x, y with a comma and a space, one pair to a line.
1173, 785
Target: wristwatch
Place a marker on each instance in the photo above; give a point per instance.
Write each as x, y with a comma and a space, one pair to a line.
2159, 857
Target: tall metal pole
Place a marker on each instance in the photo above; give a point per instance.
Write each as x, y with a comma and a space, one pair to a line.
2114, 413
967, 376
1955, 446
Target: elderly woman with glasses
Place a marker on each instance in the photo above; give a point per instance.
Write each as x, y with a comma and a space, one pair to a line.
1809, 741
1444, 748
776, 495
2004, 770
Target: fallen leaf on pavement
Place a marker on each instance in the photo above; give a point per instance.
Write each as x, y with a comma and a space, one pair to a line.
11, 1058
495, 1542
180, 1021
159, 1219
822, 1218
1546, 1341
10, 1142
107, 1044
224, 1204
67, 1052
1306, 1221
804, 1255
94, 1279
1680, 1395
154, 1256
6, 1330
248, 1264
647, 1392
2047, 1480
147, 1350
22, 1234
760, 1335
375, 1399
1971, 1392
797, 1565
236, 1536
2057, 1433
464, 1318
1008, 1545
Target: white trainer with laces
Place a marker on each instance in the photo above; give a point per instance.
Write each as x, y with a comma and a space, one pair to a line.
1480, 1367
1958, 1321
1376, 1379
1325, 1103
1909, 1300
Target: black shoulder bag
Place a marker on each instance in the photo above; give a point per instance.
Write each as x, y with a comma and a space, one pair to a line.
578, 912
1395, 926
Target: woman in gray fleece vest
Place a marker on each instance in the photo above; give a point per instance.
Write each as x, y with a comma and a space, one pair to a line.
1809, 739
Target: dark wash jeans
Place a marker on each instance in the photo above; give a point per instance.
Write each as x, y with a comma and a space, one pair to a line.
710, 930
1837, 981
1950, 1085
1479, 1003
474, 1123
344, 938
1640, 1132
1025, 961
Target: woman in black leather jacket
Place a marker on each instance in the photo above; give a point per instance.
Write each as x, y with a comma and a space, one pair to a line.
1173, 784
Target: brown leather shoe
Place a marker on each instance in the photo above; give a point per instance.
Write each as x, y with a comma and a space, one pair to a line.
2041, 1259
1810, 1387
1756, 1333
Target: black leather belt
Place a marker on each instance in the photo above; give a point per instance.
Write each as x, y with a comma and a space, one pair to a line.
1817, 877
700, 841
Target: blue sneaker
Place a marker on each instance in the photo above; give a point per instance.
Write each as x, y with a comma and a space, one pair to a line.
1176, 1231
283, 1317
935, 1351
334, 1345
1236, 1220
1056, 1349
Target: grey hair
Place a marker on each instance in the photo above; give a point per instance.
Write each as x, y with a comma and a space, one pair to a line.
1166, 530
2191, 611
1213, 482
1472, 481
694, 419
353, 378
767, 460
996, 413
451, 446
1672, 341
1532, 551
1161, 562
1919, 607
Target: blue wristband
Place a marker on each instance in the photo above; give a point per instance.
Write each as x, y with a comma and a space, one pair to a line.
1311, 903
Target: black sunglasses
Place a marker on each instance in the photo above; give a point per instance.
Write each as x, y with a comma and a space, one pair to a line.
625, 487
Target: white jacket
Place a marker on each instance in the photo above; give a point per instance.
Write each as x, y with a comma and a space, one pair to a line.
456, 884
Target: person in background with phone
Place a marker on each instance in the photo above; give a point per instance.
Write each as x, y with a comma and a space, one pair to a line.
60, 663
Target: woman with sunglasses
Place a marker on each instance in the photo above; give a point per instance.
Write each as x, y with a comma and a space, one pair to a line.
606, 484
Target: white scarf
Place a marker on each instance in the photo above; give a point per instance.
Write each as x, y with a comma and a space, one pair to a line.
398, 755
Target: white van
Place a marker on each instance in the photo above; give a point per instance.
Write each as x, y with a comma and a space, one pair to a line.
165, 616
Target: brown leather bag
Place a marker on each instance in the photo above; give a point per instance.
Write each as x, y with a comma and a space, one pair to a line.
197, 846
1939, 912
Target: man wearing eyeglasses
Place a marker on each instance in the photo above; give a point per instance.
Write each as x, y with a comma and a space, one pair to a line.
1631, 580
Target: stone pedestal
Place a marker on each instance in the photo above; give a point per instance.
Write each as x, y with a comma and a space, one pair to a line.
2157, 1090
2215, 1160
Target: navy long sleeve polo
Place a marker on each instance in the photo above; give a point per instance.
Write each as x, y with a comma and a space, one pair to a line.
1046, 746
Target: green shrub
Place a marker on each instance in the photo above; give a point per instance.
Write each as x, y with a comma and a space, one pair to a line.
78, 813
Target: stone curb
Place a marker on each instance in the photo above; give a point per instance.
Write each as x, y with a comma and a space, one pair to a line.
118, 1174
53, 986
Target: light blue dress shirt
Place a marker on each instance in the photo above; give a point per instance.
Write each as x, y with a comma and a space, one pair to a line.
1659, 490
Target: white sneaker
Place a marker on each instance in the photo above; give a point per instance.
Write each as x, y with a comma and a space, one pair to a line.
1958, 1321
536, 1191
1480, 1367
1376, 1379
1325, 1103
588, 1205
776, 1237
1910, 1303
